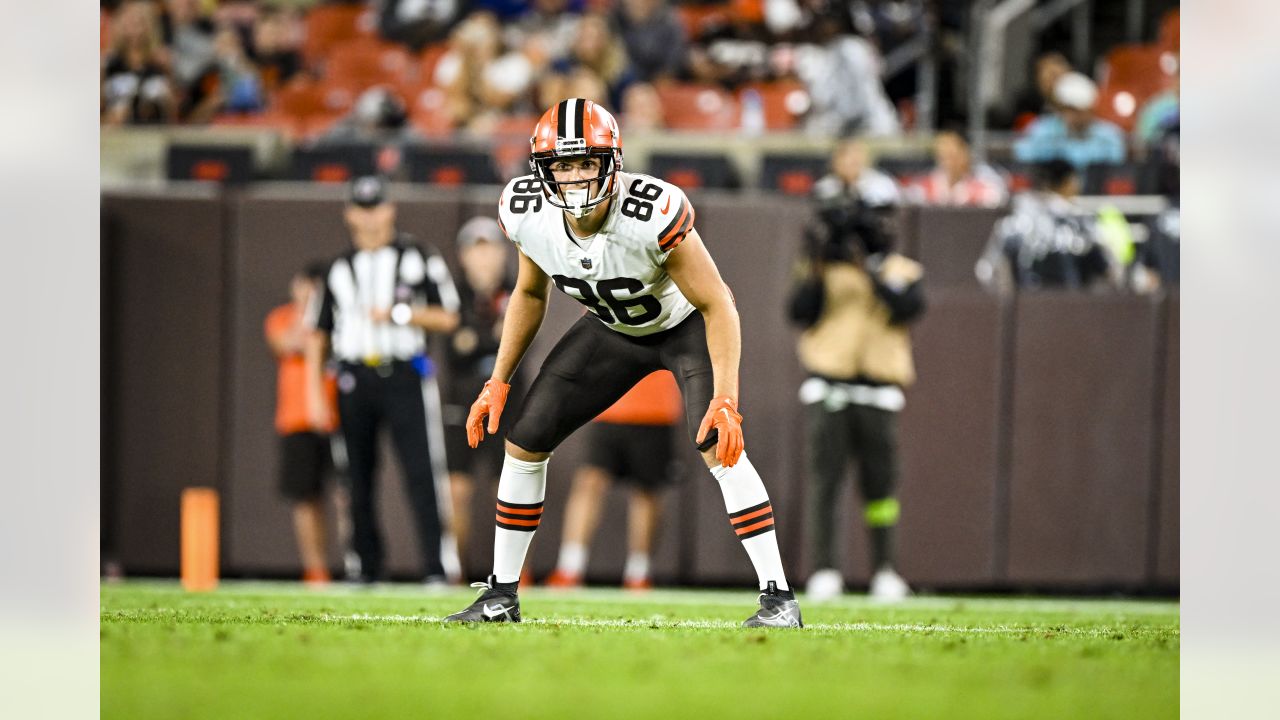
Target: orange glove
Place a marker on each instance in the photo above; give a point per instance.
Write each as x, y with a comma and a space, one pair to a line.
490, 403
723, 415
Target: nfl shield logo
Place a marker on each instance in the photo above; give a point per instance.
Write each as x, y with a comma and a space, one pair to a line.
586, 263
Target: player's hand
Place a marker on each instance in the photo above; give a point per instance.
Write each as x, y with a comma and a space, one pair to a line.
723, 416
490, 403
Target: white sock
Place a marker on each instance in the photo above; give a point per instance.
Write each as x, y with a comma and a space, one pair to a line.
573, 559
637, 567
751, 516
521, 489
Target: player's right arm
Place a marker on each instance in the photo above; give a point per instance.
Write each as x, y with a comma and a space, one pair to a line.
525, 312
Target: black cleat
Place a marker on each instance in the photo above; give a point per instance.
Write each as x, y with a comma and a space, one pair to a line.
498, 603
778, 608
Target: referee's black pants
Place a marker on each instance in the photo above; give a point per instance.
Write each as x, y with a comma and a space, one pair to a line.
369, 396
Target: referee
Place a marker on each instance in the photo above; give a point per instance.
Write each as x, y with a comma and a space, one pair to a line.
380, 301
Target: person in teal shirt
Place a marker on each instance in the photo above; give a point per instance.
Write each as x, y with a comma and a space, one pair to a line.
1072, 132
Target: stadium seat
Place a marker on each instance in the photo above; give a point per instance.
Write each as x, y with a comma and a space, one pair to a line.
792, 174
232, 164
365, 62
428, 114
1019, 176
1130, 75
696, 18
906, 169
697, 107
328, 25
1170, 32
449, 166
1111, 180
785, 101
337, 163
692, 172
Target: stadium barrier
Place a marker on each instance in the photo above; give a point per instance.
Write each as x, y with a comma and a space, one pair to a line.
1040, 445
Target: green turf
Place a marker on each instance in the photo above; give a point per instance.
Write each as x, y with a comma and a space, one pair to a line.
263, 650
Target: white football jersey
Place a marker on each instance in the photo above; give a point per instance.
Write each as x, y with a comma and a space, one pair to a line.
617, 273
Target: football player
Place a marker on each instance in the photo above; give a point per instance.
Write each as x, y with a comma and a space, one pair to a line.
624, 246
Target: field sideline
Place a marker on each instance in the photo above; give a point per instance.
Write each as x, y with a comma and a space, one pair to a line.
277, 650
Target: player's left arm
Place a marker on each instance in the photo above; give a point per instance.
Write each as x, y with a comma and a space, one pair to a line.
695, 273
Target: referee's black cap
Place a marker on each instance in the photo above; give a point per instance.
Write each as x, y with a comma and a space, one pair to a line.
368, 191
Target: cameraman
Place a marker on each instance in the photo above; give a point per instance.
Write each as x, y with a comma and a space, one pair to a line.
854, 298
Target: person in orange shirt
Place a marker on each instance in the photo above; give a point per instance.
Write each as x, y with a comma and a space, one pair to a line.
305, 453
631, 442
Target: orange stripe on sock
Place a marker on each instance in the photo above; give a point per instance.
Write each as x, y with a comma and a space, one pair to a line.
757, 526
512, 521
519, 511
748, 516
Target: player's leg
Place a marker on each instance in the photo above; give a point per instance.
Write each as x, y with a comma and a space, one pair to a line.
876, 444
358, 414
827, 430
586, 372
745, 497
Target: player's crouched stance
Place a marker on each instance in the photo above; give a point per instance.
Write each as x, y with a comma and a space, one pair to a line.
624, 246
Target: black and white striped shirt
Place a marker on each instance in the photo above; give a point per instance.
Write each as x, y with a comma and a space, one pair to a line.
362, 281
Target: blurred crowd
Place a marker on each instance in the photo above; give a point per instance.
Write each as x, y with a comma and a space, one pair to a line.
427, 68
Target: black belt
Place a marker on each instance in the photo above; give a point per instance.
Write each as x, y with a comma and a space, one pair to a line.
384, 367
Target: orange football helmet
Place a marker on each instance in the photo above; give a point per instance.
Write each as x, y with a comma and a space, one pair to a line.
576, 128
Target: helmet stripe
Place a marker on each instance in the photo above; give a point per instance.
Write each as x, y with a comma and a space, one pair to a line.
561, 113
579, 111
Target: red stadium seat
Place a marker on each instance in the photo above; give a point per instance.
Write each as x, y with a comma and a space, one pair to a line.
365, 62
328, 25
1170, 31
1130, 75
785, 101
698, 107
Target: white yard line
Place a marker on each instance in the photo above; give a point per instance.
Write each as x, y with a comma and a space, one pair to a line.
944, 603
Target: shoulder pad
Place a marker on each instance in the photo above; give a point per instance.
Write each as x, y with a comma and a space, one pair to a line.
521, 197
671, 213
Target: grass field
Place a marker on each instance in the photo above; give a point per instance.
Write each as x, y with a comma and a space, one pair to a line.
276, 650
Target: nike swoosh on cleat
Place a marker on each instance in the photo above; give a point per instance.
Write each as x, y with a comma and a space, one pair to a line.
493, 612
666, 207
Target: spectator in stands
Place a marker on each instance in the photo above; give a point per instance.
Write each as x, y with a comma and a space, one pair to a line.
842, 74
237, 85
594, 48
854, 297
641, 109
479, 80
190, 36
1072, 133
275, 47
135, 81
956, 180
851, 174
484, 287
654, 38
631, 442
731, 49
418, 23
554, 21
378, 116
1047, 242
305, 454
1038, 99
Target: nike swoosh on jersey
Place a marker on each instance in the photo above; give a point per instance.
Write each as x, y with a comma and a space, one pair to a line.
666, 207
